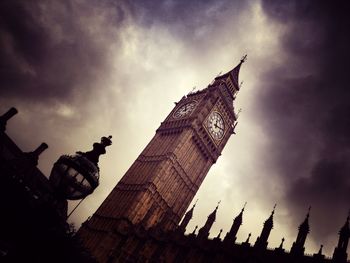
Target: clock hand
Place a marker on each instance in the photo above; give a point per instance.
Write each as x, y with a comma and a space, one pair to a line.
216, 126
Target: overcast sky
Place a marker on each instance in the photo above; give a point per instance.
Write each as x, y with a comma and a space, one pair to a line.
79, 70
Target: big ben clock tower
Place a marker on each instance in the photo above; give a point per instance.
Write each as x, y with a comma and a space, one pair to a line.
159, 186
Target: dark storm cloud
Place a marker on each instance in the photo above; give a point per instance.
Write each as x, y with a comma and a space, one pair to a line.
48, 49
56, 59
189, 20
306, 108
185, 12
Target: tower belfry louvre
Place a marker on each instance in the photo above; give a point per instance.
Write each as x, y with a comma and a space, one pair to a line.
161, 183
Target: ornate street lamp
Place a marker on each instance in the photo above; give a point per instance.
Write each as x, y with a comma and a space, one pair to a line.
76, 176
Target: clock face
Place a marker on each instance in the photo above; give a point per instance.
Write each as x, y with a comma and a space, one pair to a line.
185, 110
216, 125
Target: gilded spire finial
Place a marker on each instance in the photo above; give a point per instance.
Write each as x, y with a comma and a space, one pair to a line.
195, 203
244, 206
274, 208
244, 58
308, 211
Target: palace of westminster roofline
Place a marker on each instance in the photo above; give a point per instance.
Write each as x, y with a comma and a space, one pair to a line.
297, 246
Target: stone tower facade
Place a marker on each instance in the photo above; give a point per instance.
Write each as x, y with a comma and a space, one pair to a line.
159, 186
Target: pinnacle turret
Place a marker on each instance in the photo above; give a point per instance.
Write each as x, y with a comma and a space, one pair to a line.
340, 254
261, 241
305, 225
248, 238
240, 216
320, 250
230, 237
282, 241
269, 222
304, 229
204, 231
219, 235
212, 216
345, 229
188, 216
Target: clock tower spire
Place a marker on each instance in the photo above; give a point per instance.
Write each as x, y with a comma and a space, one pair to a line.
161, 183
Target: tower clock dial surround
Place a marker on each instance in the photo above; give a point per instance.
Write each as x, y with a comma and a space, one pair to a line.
185, 109
216, 125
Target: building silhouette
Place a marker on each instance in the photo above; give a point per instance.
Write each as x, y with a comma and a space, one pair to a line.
140, 220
